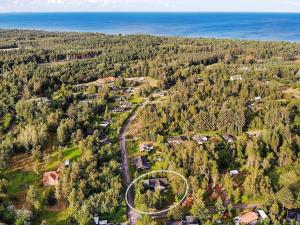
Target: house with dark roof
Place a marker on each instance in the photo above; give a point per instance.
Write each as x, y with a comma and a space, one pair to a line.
141, 163
160, 184
228, 138
294, 214
189, 220
200, 139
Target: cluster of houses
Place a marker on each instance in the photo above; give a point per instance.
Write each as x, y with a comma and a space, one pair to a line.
142, 163
124, 105
100, 82
199, 139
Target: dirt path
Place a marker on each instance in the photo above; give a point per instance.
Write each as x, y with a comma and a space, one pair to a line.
248, 206
132, 215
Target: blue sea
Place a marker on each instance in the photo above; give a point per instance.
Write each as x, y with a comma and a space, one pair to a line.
249, 26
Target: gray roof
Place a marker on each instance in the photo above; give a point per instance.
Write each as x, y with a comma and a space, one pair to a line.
294, 214
228, 138
141, 163
160, 183
191, 219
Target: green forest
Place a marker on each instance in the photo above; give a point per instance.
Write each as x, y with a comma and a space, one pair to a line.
223, 113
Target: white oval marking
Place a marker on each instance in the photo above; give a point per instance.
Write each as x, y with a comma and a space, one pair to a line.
162, 211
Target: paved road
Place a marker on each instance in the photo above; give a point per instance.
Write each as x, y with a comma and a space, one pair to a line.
132, 215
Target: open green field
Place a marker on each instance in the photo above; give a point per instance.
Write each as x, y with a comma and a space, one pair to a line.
136, 100
70, 153
52, 217
20, 180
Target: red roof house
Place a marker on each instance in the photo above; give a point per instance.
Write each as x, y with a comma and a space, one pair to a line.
106, 80
50, 178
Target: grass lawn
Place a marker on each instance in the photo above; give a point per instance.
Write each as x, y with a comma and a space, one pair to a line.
159, 165
151, 81
132, 171
295, 92
297, 121
53, 218
118, 217
119, 118
70, 153
259, 200
19, 181
132, 148
136, 100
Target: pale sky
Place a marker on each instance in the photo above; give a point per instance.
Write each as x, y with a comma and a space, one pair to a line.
150, 5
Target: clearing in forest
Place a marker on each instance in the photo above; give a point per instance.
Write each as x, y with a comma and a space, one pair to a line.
293, 92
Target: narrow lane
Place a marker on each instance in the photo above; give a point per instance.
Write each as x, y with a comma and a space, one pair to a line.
132, 215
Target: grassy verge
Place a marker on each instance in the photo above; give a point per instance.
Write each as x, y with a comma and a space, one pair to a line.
136, 100
20, 180
70, 153
52, 217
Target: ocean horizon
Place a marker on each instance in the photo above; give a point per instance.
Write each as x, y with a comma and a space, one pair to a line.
229, 25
